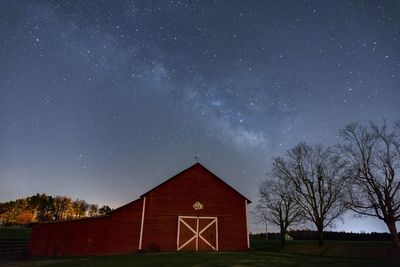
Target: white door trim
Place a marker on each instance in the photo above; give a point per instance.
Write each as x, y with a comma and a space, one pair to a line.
216, 233
180, 220
205, 228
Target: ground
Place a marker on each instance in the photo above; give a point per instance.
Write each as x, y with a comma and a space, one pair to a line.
262, 253
15, 233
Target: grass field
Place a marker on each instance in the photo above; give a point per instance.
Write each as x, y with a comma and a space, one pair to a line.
15, 233
262, 253
208, 259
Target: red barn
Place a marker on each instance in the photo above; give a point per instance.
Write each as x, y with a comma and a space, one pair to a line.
194, 210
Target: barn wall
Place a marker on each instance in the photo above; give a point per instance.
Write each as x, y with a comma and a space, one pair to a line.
79, 237
176, 197
117, 233
125, 228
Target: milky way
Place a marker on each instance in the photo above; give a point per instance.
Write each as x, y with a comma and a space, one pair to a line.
103, 100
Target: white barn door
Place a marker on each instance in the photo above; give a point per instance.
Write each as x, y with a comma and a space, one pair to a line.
197, 233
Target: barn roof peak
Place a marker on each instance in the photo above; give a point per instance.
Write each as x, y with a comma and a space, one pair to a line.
196, 165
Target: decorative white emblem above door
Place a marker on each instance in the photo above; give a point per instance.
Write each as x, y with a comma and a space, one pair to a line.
198, 205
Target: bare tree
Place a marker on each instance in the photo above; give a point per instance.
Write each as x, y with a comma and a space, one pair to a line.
277, 205
319, 178
375, 156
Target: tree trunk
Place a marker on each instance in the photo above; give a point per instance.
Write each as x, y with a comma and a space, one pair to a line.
283, 232
320, 236
393, 234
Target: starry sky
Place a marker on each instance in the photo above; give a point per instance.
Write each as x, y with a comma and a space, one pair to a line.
103, 100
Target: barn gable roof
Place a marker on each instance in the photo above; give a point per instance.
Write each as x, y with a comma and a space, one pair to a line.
193, 166
124, 206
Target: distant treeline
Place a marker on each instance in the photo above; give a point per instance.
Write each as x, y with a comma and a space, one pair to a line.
45, 208
328, 235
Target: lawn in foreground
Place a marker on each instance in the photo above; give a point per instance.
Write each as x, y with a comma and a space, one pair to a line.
263, 253
15, 233
212, 259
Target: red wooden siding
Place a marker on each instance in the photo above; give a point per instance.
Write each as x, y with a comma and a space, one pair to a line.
79, 237
125, 228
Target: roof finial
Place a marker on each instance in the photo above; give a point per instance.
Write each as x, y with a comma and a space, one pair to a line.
196, 158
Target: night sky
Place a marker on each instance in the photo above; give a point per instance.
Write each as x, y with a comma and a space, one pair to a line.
103, 100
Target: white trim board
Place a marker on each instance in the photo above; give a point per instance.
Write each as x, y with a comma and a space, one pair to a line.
247, 225
142, 223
